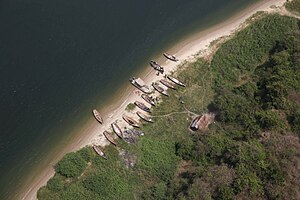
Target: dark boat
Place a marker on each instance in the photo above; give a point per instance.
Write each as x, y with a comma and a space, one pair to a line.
144, 117
156, 66
174, 80
142, 106
170, 57
140, 84
148, 99
159, 89
97, 116
109, 137
131, 121
167, 83
117, 130
99, 151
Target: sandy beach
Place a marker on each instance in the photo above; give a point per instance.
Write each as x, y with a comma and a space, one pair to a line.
186, 50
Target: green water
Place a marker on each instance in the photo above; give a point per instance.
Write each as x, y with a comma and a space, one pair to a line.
58, 59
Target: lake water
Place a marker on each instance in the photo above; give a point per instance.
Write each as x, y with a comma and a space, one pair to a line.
60, 58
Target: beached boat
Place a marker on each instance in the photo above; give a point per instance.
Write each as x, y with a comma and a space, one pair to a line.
140, 84
142, 106
130, 121
97, 116
148, 99
144, 117
99, 151
167, 83
109, 137
174, 80
117, 130
170, 57
156, 66
160, 89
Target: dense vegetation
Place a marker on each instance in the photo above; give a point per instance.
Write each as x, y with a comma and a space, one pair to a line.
252, 151
293, 6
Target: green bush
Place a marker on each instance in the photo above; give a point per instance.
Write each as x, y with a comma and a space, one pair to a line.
71, 165
270, 120
158, 157
56, 183
293, 6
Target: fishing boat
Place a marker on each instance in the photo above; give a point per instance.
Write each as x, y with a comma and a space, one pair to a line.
148, 99
99, 151
140, 84
174, 80
130, 121
171, 57
144, 117
97, 116
156, 66
142, 106
167, 83
160, 89
109, 137
117, 130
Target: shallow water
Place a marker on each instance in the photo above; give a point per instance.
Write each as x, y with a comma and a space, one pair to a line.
58, 59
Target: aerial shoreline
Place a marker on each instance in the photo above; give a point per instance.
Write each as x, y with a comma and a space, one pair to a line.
185, 50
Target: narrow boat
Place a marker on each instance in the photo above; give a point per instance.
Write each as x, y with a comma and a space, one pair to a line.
144, 117
159, 89
148, 99
117, 130
156, 66
174, 80
131, 121
140, 84
142, 106
109, 137
167, 83
97, 116
171, 57
99, 151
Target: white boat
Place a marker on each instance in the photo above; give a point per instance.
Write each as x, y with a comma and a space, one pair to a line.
117, 130
144, 117
98, 116
99, 151
167, 84
171, 57
174, 80
140, 84
160, 89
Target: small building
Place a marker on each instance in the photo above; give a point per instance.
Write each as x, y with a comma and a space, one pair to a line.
201, 122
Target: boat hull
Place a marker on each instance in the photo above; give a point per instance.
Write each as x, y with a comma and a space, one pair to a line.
160, 90
167, 84
130, 121
117, 130
97, 116
142, 106
148, 99
174, 80
144, 117
99, 152
109, 138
